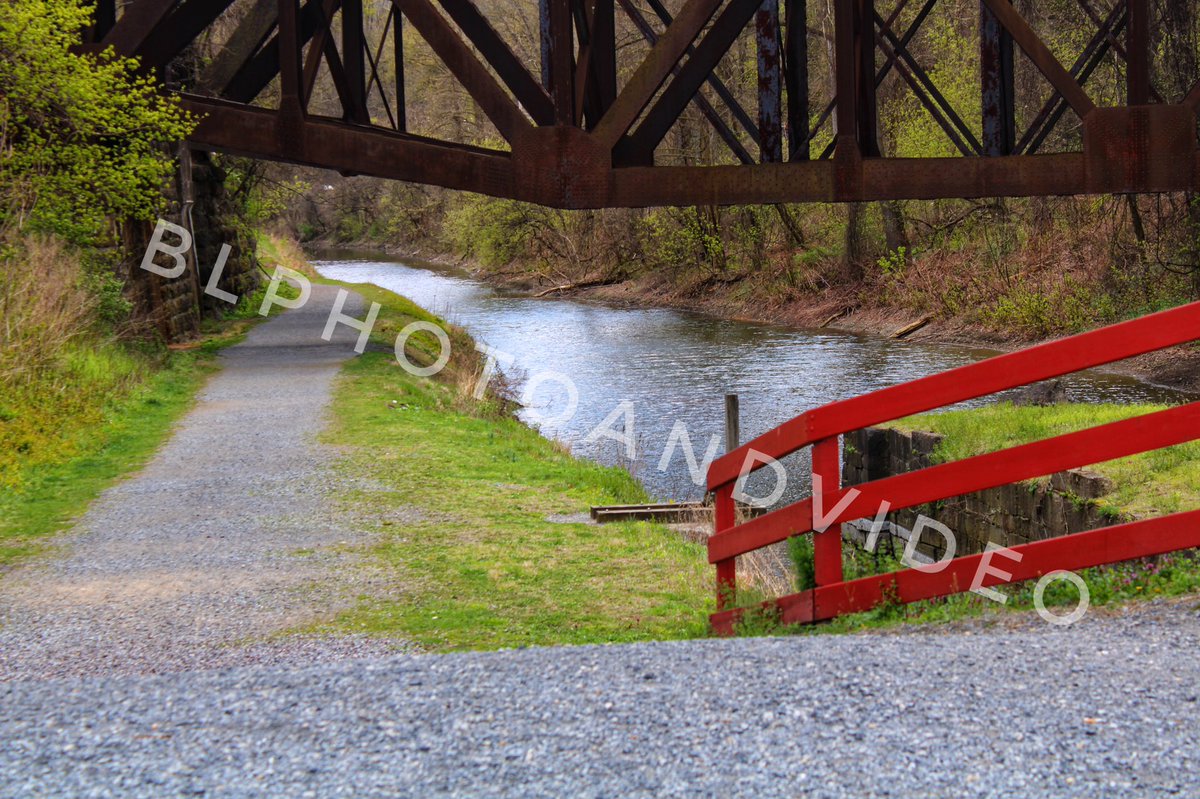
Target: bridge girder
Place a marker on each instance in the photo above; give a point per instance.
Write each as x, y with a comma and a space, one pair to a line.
578, 137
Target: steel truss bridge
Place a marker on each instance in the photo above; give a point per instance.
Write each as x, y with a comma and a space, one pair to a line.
581, 129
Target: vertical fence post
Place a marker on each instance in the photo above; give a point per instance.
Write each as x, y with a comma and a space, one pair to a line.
827, 546
726, 569
732, 423
724, 514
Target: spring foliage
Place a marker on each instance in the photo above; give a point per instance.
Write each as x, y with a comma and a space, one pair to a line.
81, 135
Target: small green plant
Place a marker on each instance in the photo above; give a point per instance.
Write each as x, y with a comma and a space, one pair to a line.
894, 263
800, 547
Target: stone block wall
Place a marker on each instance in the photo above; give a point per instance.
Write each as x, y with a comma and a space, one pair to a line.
1008, 516
172, 308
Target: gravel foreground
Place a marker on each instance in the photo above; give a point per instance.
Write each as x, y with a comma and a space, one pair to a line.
1105, 708
145, 661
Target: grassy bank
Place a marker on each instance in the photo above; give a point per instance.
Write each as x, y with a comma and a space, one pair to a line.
480, 540
1150, 483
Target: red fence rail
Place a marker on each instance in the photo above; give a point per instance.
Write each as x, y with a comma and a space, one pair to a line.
822, 513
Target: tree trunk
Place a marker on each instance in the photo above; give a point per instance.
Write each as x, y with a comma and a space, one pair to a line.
854, 251
894, 228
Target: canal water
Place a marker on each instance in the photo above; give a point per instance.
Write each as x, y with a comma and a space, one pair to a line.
649, 372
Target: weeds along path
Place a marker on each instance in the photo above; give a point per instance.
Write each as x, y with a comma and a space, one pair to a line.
228, 537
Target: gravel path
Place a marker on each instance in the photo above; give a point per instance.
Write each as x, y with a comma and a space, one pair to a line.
1105, 708
226, 538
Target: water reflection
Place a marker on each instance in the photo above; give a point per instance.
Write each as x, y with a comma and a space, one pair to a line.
672, 366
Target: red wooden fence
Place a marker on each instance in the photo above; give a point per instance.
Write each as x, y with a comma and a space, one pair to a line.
821, 427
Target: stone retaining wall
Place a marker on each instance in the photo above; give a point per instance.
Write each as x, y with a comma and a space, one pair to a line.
172, 308
1008, 515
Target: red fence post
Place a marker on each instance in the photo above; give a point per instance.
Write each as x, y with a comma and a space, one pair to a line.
827, 546
726, 569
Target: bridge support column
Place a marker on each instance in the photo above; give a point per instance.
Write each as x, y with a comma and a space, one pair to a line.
770, 84
795, 60
996, 84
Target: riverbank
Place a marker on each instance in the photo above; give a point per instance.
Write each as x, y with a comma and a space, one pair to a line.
480, 527
836, 308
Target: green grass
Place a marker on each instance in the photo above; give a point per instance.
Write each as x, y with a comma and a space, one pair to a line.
119, 438
1172, 575
1151, 483
463, 522
70, 433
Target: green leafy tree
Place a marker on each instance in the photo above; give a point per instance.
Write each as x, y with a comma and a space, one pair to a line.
82, 135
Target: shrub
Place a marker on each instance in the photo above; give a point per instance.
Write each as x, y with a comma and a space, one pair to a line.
81, 135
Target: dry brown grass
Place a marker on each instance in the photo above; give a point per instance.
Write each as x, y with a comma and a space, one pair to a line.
44, 307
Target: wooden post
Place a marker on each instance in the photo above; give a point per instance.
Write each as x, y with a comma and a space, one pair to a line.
732, 431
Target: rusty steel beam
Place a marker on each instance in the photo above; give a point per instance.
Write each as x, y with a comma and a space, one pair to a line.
888, 63
401, 121
136, 25
680, 91
463, 64
172, 35
263, 66
604, 53
583, 141
715, 83
562, 61
1137, 34
243, 42
770, 81
316, 53
290, 68
795, 59
707, 110
253, 132
998, 98
373, 60
500, 57
353, 56
1054, 108
653, 70
1040, 55
926, 92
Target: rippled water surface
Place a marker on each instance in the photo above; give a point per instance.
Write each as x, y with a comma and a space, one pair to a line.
667, 366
